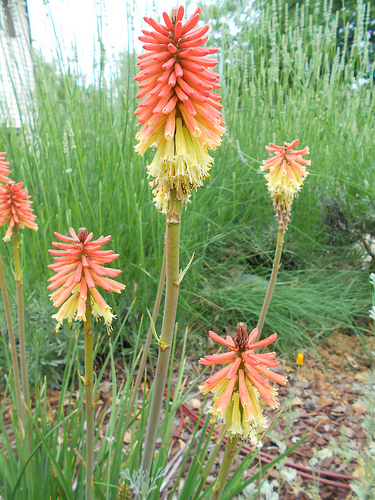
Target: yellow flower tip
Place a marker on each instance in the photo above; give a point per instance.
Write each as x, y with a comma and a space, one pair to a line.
287, 171
181, 163
300, 359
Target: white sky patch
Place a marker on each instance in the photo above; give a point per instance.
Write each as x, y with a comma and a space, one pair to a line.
70, 29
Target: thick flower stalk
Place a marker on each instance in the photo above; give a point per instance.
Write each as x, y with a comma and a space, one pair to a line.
179, 111
286, 174
4, 170
15, 208
79, 270
239, 384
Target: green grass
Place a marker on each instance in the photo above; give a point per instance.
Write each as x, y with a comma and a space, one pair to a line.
79, 166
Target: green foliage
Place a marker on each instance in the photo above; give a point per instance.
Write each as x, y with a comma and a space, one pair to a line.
140, 484
78, 164
54, 455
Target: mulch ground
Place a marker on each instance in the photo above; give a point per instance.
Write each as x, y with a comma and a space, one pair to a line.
323, 395
321, 399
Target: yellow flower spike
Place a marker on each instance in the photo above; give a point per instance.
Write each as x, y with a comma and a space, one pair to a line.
299, 359
287, 171
234, 419
181, 163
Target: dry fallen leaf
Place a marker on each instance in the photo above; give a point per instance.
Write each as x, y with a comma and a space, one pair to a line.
361, 376
195, 403
297, 401
127, 437
105, 386
358, 408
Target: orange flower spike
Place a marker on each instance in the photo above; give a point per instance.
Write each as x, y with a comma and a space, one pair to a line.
179, 112
4, 170
286, 174
15, 208
79, 270
239, 384
176, 73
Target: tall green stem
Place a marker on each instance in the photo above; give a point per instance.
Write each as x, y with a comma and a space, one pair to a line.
13, 348
272, 282
170, 307
21, 314
146, 348
89, 390
226, 464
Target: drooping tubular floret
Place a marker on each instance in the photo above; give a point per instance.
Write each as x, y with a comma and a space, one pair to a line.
179, 111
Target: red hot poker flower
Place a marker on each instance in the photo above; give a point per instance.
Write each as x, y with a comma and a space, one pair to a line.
237, 385
79, 269
179, 112
286, 174
4, 170
177, 82
15, 208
